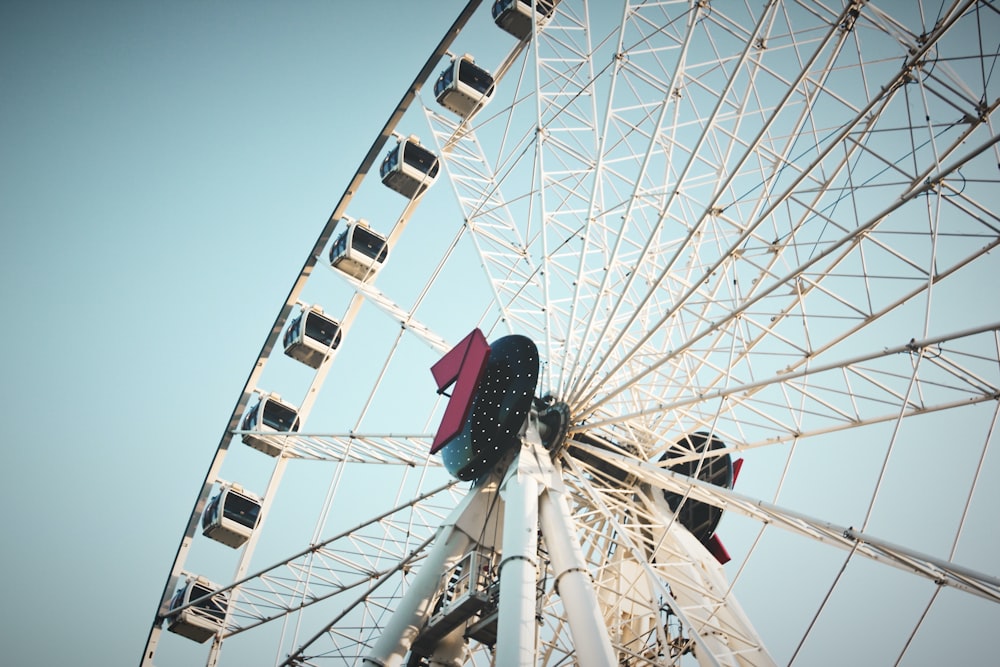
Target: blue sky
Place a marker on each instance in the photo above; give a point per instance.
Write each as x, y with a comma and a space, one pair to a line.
164, 169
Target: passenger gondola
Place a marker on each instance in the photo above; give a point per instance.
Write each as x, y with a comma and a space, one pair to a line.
409, 168
698, 517
463, 87
269, 414
231, 516
514, 16
202, 620
359, 251
312, 336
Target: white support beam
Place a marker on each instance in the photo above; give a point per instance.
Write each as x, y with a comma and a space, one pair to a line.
941, 572
415, 607
573, 580
516, 628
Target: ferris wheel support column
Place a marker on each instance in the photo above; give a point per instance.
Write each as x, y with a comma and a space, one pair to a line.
451, 651
516, 627
573, 581
415, 606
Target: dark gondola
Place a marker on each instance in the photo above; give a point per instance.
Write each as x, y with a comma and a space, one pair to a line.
463, 87
231, 516
409, 168
514, 16
312, 336
606, 471
698, 517
270, 414
359, 251
202, 620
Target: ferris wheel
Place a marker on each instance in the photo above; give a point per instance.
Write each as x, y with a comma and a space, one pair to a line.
665, 333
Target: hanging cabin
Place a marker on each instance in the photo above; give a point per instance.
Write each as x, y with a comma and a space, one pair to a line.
463, 87
231, 516
269, 414
606, 471
359, 251
514, 16
202, 620
312, 336
698, 517
409, 168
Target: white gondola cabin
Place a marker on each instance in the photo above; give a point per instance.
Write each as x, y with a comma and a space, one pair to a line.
202, 620
359, 251
312, 336
514, 16
463, 87
231, 516
269, 414
409, 168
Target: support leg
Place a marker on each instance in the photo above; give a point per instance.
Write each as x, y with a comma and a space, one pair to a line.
451, 651
415, 606
573, 581
516, 627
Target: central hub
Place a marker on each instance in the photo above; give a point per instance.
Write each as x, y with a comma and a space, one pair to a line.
499, 408
553, 423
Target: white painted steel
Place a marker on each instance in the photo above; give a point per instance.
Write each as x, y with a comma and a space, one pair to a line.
516, 628
572, 580
415, 607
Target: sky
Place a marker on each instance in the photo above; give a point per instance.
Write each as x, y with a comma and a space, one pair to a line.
164, 170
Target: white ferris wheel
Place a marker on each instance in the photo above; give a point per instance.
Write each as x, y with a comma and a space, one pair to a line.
696, 304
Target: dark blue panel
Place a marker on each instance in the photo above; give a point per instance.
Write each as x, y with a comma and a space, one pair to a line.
499, 409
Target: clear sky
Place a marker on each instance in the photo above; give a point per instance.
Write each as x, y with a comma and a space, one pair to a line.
164, 170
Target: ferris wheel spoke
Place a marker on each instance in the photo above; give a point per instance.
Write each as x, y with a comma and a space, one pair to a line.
606, 244
509, 268
815, 297
941, 572
956, 370
706, 148
566, 144
476, 184
411, 450
741, 242
405, 318
844, 262
642, 218
344, 641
